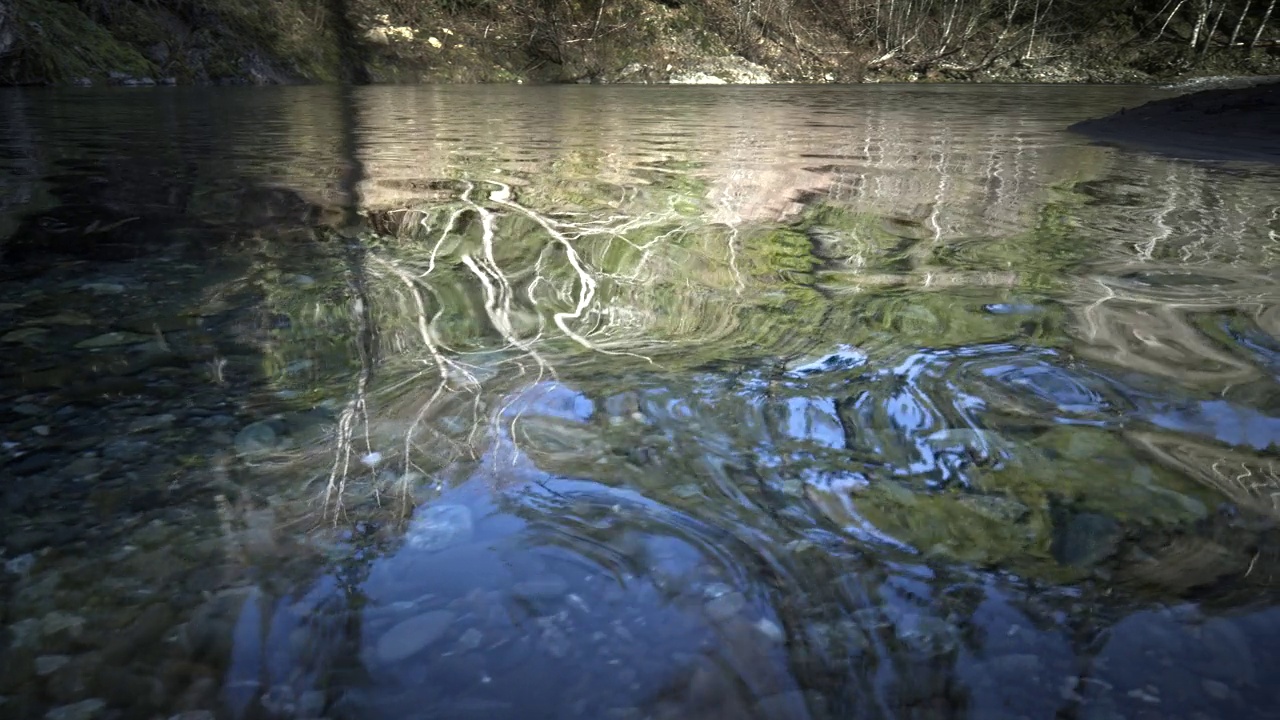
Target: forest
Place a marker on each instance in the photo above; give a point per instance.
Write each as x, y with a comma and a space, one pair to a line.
285, 41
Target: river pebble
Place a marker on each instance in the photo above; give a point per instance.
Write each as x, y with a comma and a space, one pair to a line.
1085, 539
408, 638
1216, 690
49, 664
257, 438
439, 527
723, 603
548, 587
83, 710
114, 339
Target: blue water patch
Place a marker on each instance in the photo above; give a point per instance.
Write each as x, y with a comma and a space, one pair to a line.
1224, 421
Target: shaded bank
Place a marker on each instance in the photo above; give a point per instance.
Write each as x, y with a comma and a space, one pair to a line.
143, 42
1220, 124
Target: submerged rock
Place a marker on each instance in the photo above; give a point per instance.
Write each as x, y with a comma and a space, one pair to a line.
927, 635
790, 705
1085, 539
439, 527
83, 710
103, 288
1229, 652
49, 664
24, 335
992, 507
723, 602
412, 636
1216, 690
686, 491
114, 339
257, 438
543, 588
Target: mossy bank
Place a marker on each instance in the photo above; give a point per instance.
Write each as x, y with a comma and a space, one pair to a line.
143, 42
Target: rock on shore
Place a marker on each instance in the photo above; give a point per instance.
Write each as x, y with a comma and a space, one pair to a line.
1223, 124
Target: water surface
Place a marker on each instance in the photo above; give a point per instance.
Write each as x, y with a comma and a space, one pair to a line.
632, 402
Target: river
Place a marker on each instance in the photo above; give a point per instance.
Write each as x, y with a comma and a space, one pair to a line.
621, 402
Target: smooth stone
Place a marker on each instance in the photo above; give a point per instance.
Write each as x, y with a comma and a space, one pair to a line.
42, 430
1229, 652
83, 710
544, 588
410, 637
34, 463
784, 706
686, 491
153, 422
27, 540
310, 704
49, 664
127, 450
928, 635
20, 565
1018, 665
103, 288
770, 630
1144, 696
470, 639
217, 422
114, 339
726, 606
999, 509
255, 438
1214, 688
439, 527
477, 709
58, 622
82, 466
24, 634
279, 700
1085, 539
23, 335
29, 409
64, 318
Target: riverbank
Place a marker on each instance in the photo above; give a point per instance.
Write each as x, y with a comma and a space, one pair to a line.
1232, 123
132, 42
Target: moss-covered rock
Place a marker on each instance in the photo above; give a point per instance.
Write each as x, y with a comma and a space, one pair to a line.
57, 42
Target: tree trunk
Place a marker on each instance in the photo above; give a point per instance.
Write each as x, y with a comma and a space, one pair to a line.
1202, 16
1208, 38
1236, 31
1168, 19
1262, 25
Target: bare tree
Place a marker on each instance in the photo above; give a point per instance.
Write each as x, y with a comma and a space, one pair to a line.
1239, 21
1203, 8
1208, 38
1263, 24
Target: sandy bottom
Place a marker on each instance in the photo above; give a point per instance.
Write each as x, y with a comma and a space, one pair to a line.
1223, 124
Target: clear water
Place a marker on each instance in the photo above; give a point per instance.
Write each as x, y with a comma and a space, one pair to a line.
624, 403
